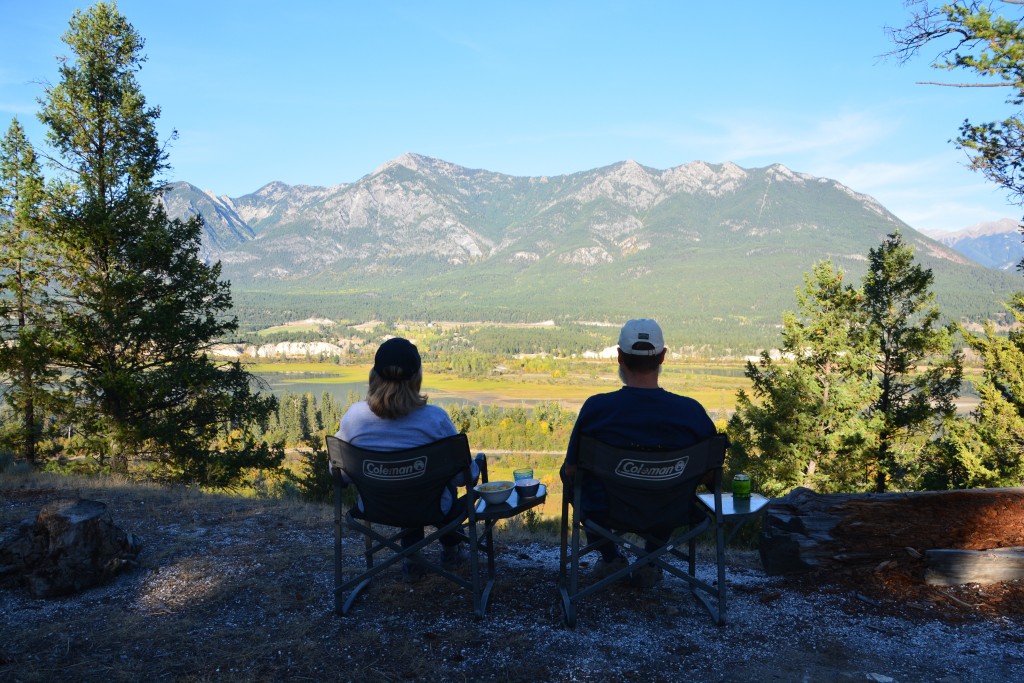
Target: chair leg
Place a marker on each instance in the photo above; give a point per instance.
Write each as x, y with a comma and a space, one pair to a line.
342, 604
569, 571
692, 559
488, 584
569, 592
563, 542
339, 552
479, 598
720, 559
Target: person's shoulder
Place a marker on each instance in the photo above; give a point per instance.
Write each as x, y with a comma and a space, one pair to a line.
356, 420
679, 398
607, 396
437, 416
432, 411
689, 401
597, 401
357, 410
690, 408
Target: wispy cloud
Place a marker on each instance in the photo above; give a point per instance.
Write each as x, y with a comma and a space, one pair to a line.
936, 192
781, 136
18, 108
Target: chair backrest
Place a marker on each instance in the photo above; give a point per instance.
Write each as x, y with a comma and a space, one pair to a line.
402, 488
651, 489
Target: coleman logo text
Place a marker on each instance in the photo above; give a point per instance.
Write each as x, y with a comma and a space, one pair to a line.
403, 469
651, 470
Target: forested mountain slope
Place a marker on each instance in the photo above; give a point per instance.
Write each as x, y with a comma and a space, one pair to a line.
713, 250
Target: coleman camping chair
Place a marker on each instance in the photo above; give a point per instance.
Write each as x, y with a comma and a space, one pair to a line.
399, 490
646, 490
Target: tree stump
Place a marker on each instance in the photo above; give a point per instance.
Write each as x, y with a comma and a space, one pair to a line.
70, 546
806, 531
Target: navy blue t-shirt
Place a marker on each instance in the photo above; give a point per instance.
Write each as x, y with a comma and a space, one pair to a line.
638, 418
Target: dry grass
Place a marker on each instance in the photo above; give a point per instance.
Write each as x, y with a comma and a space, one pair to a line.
241, 590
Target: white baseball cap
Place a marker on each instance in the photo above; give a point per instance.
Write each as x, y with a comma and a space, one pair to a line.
641, 337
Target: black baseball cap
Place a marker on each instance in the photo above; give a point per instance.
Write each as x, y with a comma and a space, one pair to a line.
397, 359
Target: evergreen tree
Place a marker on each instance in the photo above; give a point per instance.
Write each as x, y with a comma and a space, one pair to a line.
988, 448
804, 425
330, 414
979, 38
139, 308
311, 427
871, 378
917, 371
25, 267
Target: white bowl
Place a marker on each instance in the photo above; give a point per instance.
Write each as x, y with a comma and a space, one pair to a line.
495, 492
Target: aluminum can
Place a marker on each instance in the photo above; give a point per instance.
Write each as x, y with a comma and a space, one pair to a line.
741, 486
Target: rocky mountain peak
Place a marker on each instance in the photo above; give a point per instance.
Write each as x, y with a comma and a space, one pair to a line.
415, 208
411, 161
985, 229
426, 237
700, 177
996, 244
783, 174
420, 164
273, 190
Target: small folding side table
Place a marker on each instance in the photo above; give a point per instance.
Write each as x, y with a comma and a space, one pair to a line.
735, 511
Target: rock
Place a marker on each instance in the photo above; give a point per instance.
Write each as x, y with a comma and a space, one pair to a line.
71, 545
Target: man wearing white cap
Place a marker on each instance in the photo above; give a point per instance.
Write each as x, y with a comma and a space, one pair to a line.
639, 415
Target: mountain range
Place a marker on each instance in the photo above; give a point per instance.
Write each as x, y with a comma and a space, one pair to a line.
996, 244
715, 251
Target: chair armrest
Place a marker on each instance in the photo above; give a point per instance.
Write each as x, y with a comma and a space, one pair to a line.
481, 463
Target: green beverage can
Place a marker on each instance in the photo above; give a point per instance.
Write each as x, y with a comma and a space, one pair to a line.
741, 486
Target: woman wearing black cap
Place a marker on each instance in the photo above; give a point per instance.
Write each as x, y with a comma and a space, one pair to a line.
395, 416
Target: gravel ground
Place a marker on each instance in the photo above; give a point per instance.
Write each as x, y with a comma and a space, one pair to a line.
241, 590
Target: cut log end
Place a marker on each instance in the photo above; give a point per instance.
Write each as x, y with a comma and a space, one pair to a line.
952, 567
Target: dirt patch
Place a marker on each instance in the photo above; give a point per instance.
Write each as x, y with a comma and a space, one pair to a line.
240, 590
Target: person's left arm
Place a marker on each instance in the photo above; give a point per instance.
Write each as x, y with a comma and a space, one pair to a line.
705, 428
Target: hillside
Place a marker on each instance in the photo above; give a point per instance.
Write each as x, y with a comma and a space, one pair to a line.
714, 251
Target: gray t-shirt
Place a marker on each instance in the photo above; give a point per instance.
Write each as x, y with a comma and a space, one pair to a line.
361, 427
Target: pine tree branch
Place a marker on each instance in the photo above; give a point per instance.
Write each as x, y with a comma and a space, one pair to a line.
966, 85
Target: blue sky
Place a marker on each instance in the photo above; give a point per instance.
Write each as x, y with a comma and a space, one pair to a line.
322, 93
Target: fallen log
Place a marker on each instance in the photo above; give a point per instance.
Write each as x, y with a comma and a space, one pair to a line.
805, 531
952, 567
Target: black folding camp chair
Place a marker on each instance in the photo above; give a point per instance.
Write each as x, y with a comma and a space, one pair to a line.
398, 490
646, 490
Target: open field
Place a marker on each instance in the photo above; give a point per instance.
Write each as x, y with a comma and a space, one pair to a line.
346, 373
298, 326
713, 384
